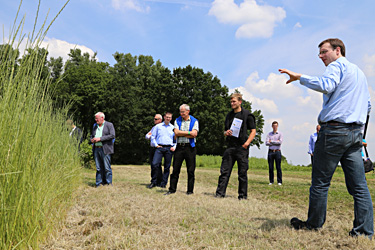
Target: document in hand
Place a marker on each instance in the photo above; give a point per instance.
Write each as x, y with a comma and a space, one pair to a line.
236, 127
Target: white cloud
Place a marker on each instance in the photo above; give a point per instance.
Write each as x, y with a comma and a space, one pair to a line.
297, 26
130, 5
313, 100
273, 87
183, 2
56, 48
265, 105
61, 48
295, 108
369, 61
254, 20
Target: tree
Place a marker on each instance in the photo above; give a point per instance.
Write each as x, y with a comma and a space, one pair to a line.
208, 103
83, 84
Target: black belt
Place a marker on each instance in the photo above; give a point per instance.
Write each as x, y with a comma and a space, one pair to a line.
164, 146
98, 146
183, 144
274, 150
335, 123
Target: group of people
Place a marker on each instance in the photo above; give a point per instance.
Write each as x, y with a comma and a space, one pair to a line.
179, 139
346, 103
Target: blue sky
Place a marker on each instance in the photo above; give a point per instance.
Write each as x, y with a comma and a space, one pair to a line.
242, 42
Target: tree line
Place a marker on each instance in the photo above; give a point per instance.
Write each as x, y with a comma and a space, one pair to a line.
132, 91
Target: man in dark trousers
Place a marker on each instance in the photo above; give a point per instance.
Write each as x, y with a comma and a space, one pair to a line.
237, 123
346, 103
162, 137
186, 129
75, 133
157, 119
102, 137
273, 141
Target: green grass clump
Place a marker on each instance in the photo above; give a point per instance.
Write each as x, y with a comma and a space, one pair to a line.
39, 164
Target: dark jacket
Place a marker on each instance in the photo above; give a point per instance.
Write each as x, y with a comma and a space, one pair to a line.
107, 137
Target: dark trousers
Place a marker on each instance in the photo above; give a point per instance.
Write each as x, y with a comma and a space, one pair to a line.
312, 160
275, 157
156, 165
188, 154
231, 155
153, 170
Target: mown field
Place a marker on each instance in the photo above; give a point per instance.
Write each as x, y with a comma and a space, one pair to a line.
130, 216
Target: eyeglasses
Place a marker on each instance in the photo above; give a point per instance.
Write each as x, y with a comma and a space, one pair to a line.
323, 52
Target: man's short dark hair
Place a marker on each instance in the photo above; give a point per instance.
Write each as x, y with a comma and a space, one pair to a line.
167, 112
238, 96
334, 42
275, 122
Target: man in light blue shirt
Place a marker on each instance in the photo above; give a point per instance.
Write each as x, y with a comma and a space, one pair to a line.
162, 138
346, 103
312, 141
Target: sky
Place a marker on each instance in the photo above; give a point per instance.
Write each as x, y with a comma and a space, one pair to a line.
242, 42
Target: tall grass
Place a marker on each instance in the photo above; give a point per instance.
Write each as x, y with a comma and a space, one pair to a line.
39, 163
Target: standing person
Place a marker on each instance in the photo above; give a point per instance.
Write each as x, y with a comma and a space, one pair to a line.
346, 103
162, 137
157, 119
102, 137
186, 129
75, 133
238, 146
274, 141
312, 141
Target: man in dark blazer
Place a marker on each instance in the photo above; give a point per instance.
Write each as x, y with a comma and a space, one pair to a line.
102, 137
75, 133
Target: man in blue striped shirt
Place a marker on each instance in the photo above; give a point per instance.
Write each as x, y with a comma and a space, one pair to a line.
162, 139
346, 103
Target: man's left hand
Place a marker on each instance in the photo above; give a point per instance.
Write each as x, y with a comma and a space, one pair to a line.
245, 146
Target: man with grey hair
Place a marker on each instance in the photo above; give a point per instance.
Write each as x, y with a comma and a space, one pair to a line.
186, 129
157, 119
102, 137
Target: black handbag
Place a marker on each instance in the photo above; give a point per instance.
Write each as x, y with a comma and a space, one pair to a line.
369, 166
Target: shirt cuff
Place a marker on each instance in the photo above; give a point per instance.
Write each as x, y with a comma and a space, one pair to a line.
304, 79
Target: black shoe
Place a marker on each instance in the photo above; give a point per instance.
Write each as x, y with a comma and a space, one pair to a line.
219, 196
298, 224
163, 186
242, 197
189, 193
168, 193
152, 185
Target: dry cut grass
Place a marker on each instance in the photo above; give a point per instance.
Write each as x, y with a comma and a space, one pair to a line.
130, 216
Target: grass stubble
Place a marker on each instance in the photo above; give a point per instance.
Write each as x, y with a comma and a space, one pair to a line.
130, 216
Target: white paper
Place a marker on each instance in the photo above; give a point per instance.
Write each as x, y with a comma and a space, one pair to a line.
236, 127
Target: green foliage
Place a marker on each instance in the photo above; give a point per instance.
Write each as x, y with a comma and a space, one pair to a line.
86, 156
39, 164
133, 90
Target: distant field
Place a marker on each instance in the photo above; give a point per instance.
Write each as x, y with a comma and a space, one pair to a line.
130, 216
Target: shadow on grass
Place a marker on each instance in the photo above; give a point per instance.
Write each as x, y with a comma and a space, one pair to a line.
270, 224
214, 195
91, 183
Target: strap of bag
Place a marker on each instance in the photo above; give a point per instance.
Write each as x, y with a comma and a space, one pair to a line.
364, 133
